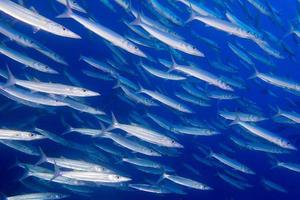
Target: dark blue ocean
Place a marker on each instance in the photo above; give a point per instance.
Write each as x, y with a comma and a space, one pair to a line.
17, 116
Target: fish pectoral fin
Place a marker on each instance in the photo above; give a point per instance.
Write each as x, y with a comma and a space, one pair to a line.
35, 29
33, 9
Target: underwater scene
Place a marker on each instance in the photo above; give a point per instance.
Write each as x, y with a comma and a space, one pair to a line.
149, 99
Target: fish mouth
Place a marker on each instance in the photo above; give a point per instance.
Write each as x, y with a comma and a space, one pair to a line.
52, 71
141, 54
291, 147
92, 93
125, 179
179, 146
200, 54
73, 35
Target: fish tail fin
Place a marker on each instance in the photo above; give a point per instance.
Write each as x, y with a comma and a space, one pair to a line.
117, 85
103, 131
278, 111
173, 65
15, 164
162, 177
118, 162
57, 171
81, 57
209, 154
137, 21
11, 80
193, 15
274, 163
26, 174
67, 13
114, 123
256, 73
140, 89
235, 121
42, 159
68, 130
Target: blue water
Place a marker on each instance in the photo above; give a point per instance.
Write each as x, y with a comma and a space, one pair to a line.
18, 116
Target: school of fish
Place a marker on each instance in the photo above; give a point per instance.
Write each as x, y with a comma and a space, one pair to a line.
187, 98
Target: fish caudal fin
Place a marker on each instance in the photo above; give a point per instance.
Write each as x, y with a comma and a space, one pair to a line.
42, 159
11, 79
137, 21
68, 12
57, 171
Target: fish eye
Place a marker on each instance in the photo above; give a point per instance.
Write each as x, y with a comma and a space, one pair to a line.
31, 134
84, 90
64, 28
172, 141
118, 177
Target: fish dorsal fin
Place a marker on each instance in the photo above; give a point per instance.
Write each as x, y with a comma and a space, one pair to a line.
33, 10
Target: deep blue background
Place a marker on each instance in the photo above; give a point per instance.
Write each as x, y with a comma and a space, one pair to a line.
92, 45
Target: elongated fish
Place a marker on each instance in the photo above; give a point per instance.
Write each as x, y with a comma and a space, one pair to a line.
38, 196
130, 144
265, 134
277, 81
27, 41
103, 32
289, 165
150, 188
145, 134
272, 185
50, 88
260, 7
186, 182
168, 39
201, 75
34, 19
231, 181
36, 98
96, 177
258, 146
22, 147
172, 103
142, 162
200, 8
73, 4
25, 60
162, 74
232, 163
295, 117
139, 98
245, 117
166, 12
224, 25
73, 164
7, 134
62, 180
